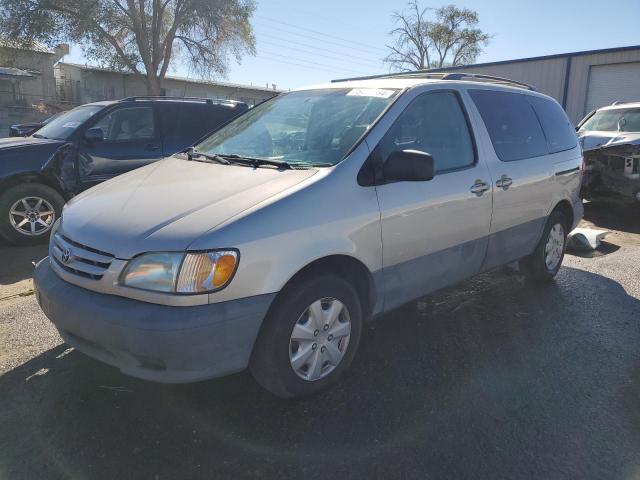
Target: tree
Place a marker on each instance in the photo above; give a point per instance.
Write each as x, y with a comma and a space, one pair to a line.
141, 36
451, 39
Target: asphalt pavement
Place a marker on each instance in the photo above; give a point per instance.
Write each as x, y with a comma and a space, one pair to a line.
488, 379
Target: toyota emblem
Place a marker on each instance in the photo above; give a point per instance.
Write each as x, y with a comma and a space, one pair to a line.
67, 255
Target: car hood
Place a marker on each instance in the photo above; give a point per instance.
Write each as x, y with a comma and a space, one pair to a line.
26, 152
10, 143
27, 125
169, 204
593, 140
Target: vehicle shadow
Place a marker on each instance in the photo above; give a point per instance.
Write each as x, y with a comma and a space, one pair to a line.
491, 379
17, 261
605, 248
612, 214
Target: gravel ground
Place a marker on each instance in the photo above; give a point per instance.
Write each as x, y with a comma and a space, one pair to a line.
489, 379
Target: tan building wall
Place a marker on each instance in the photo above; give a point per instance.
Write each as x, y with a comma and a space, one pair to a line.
579, 78
79, 84
548, 74
42, 86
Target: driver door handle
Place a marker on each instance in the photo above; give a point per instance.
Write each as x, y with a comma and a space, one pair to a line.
152, 147
479, 187
504, 183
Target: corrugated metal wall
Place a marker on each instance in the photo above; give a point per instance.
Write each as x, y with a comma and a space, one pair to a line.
614, 82
547, 75
579, 79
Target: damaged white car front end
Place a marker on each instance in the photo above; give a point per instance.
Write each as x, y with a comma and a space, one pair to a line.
610, 139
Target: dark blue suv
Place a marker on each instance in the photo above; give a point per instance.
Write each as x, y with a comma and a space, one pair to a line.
90, 144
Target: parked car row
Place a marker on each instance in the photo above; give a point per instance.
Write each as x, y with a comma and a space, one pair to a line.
29, 128
90, 144
272, 240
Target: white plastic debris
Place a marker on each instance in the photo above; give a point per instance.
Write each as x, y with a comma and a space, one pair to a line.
586, 238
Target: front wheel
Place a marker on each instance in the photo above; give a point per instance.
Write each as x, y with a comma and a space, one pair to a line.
543, 264
308, 338
28, 212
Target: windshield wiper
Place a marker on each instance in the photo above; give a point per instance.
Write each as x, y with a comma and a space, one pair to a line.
255, 162
193, 155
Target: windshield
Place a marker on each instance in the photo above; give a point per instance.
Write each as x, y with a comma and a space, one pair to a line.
62, 126
619, 119
312, 127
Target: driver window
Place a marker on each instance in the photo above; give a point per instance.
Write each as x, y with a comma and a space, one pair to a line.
433, 123
128, 124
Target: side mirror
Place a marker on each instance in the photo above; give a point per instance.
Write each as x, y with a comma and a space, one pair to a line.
94, 134
408, 165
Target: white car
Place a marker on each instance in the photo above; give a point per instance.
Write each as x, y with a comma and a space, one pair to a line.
610, 138
269, 243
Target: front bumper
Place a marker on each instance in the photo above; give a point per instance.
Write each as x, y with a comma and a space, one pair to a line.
154, 342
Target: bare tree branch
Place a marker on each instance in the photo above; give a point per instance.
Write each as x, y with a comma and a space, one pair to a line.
452, 37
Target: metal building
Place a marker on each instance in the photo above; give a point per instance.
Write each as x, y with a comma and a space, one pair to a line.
580, 81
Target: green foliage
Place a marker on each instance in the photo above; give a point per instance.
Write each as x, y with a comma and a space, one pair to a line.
141, 36
451, 39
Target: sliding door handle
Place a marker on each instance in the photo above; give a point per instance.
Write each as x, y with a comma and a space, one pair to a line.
479, 187
504, 183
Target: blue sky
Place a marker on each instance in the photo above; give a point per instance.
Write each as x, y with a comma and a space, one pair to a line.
301, 42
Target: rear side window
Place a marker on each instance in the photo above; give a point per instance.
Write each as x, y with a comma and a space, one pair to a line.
200, 119
557, 128
185, 122
436, 124
513, 126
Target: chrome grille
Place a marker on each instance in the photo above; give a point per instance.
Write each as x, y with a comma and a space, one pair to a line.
79, 259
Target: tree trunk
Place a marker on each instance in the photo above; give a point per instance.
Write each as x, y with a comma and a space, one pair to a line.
153, 84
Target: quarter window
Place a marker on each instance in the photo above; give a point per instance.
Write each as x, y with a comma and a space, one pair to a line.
557, 128
512, 124
433, 123
128, 124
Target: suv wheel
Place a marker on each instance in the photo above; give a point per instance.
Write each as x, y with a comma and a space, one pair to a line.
543, 264
309, 337
27, 213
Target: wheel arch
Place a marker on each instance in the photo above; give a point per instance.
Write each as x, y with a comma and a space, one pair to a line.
32, 177
347, 267
565, 207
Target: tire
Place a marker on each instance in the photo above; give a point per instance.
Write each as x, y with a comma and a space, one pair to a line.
38, 224
542, 265
272, 360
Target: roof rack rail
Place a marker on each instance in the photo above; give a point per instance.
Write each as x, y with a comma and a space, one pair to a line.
622, 102
167, 97
446, 76
488, 78
416, 74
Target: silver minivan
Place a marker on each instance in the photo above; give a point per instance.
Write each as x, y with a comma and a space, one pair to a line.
268, 244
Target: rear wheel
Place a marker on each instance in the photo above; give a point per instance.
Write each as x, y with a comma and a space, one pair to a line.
28, 212
543, 264
308, 338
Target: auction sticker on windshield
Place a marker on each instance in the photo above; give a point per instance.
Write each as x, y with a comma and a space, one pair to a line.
371, 92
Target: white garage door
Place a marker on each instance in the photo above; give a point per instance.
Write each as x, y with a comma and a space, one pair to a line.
610, 83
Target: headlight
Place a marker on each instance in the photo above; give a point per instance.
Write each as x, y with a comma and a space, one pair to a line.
172, 272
